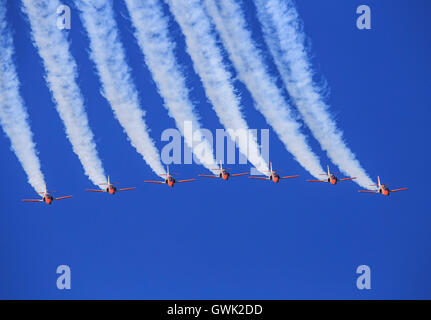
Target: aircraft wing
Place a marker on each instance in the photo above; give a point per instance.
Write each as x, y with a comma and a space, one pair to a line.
238, 174
367, 191
63, 197
262, 178
185, 180
32, 200
126, 189
288, 177
399, 189
347, 179
154, 181
95, 190
317, 180
207, 175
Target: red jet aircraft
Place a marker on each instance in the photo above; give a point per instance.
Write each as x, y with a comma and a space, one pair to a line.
46, 197
110, 188
224, 174
382, 189
273, 176
331, 178
169, 180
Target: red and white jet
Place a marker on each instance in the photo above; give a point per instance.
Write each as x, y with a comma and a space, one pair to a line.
273, 176
382, 189
223, 173
110, 188
169, 180
46, 197
331, 178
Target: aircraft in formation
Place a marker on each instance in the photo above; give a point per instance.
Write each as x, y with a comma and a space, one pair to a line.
273, 176
224, 175
381, 188
331, 178
110, 188
169, 180
46, 197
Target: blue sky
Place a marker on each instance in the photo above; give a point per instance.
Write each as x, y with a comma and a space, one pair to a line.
242, 239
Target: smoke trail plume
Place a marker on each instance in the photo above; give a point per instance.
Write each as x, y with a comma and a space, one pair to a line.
61, 76
151, 32
283, 33
13, 115
248, 62
208, 64
107, 52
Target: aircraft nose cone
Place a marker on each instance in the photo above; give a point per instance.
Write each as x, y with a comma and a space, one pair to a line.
225, 177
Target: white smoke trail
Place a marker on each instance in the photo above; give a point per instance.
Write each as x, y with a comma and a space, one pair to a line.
207, 61
13, 115
151, 32
283, 33
248, 62
107, 52
61, 76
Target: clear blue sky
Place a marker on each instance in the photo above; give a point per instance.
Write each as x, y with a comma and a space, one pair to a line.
240, 239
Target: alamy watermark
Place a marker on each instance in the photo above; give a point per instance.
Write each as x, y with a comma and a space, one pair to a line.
225, 144
64, 280
64, 17
364, 280
364, 20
